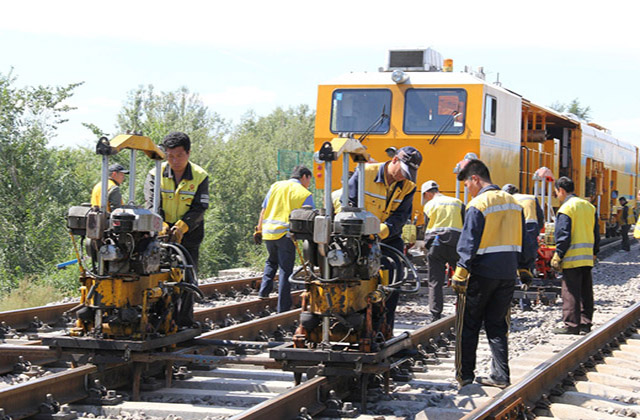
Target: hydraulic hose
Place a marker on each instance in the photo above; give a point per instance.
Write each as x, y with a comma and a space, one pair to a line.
396, 285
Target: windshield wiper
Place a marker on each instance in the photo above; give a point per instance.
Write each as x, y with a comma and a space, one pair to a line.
448, 123
377, 123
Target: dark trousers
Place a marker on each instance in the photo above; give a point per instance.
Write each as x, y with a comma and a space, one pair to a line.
392, 263
282, 254
624, 231
489, 303
530, 246
577, 296
185, 307
438, 256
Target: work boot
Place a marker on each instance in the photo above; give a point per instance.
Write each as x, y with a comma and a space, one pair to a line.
566, 330
585, 328
489, 381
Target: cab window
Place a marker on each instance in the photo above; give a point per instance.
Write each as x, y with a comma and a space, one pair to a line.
432, 111
490, 114
359, 110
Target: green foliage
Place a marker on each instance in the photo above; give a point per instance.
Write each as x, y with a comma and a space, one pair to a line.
574, 108
36, 183
29, 293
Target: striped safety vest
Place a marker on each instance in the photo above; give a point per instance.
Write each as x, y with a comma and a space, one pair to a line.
176, 200
284, 196
444, 213
380, 199
528, 203
582, 215
96, 194
502, 222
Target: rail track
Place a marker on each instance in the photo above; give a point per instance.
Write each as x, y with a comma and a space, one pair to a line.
236, 378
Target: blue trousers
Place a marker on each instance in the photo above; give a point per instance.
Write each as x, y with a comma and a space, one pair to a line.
282, 254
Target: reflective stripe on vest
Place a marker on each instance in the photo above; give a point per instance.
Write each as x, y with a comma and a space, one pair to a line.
177, 200
582, 215
375, 193
502, 222
284, 196
528, 203
444, 213
96, 194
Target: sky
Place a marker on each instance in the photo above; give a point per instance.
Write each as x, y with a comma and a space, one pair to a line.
256, 56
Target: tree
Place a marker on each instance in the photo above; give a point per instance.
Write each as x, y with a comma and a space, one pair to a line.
35, 183
574, 108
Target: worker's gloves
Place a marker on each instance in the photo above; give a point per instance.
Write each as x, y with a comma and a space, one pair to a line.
257, 236
177, 231
556, 262
384, 231
525, 278
165, 229
459, 280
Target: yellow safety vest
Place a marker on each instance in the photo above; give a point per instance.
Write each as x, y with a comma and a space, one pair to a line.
582, 215
96, 194
444, 214
502, 222
380, 199
528, 203
177, 200
284, 196
630, 219
636, 230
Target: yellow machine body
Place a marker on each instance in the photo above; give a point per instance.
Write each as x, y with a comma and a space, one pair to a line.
343, 298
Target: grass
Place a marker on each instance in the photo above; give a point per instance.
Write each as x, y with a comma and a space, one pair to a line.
28, 294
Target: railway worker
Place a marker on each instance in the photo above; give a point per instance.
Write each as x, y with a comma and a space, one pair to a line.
389, 190
490, 248
443, 218
577, 236
184, 198
625, 224
117, 174
533, 222
273, 228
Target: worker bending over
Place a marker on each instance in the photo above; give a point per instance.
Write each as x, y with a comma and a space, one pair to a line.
443, 218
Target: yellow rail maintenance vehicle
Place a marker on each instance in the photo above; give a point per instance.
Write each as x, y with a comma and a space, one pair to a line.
131, 290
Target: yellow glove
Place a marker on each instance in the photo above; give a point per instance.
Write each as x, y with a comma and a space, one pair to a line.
459, 280
257, 236
165, 229
525, 277
384, 231
177, 231
556, 262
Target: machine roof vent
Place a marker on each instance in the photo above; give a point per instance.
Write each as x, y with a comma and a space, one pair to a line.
414, 60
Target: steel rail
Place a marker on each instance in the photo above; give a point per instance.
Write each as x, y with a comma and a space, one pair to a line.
23, 400
547, 374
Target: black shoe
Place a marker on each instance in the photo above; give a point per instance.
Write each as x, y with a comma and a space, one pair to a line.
465, 382
263, 297
585, 328
489, 381
566, 330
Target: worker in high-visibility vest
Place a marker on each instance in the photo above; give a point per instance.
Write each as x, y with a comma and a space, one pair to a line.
533, 222
273, 229
443, 218
577, 236
625, 224
490, 249
117, 174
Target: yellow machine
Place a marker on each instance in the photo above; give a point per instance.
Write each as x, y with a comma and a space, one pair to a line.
417, 101
133, 288
345, 303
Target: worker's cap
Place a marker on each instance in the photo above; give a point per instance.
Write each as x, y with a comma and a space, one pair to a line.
410, 160
116, 167
622, 199
510, 188
429, 185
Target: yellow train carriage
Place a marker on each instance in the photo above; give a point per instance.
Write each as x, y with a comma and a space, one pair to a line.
446, 115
